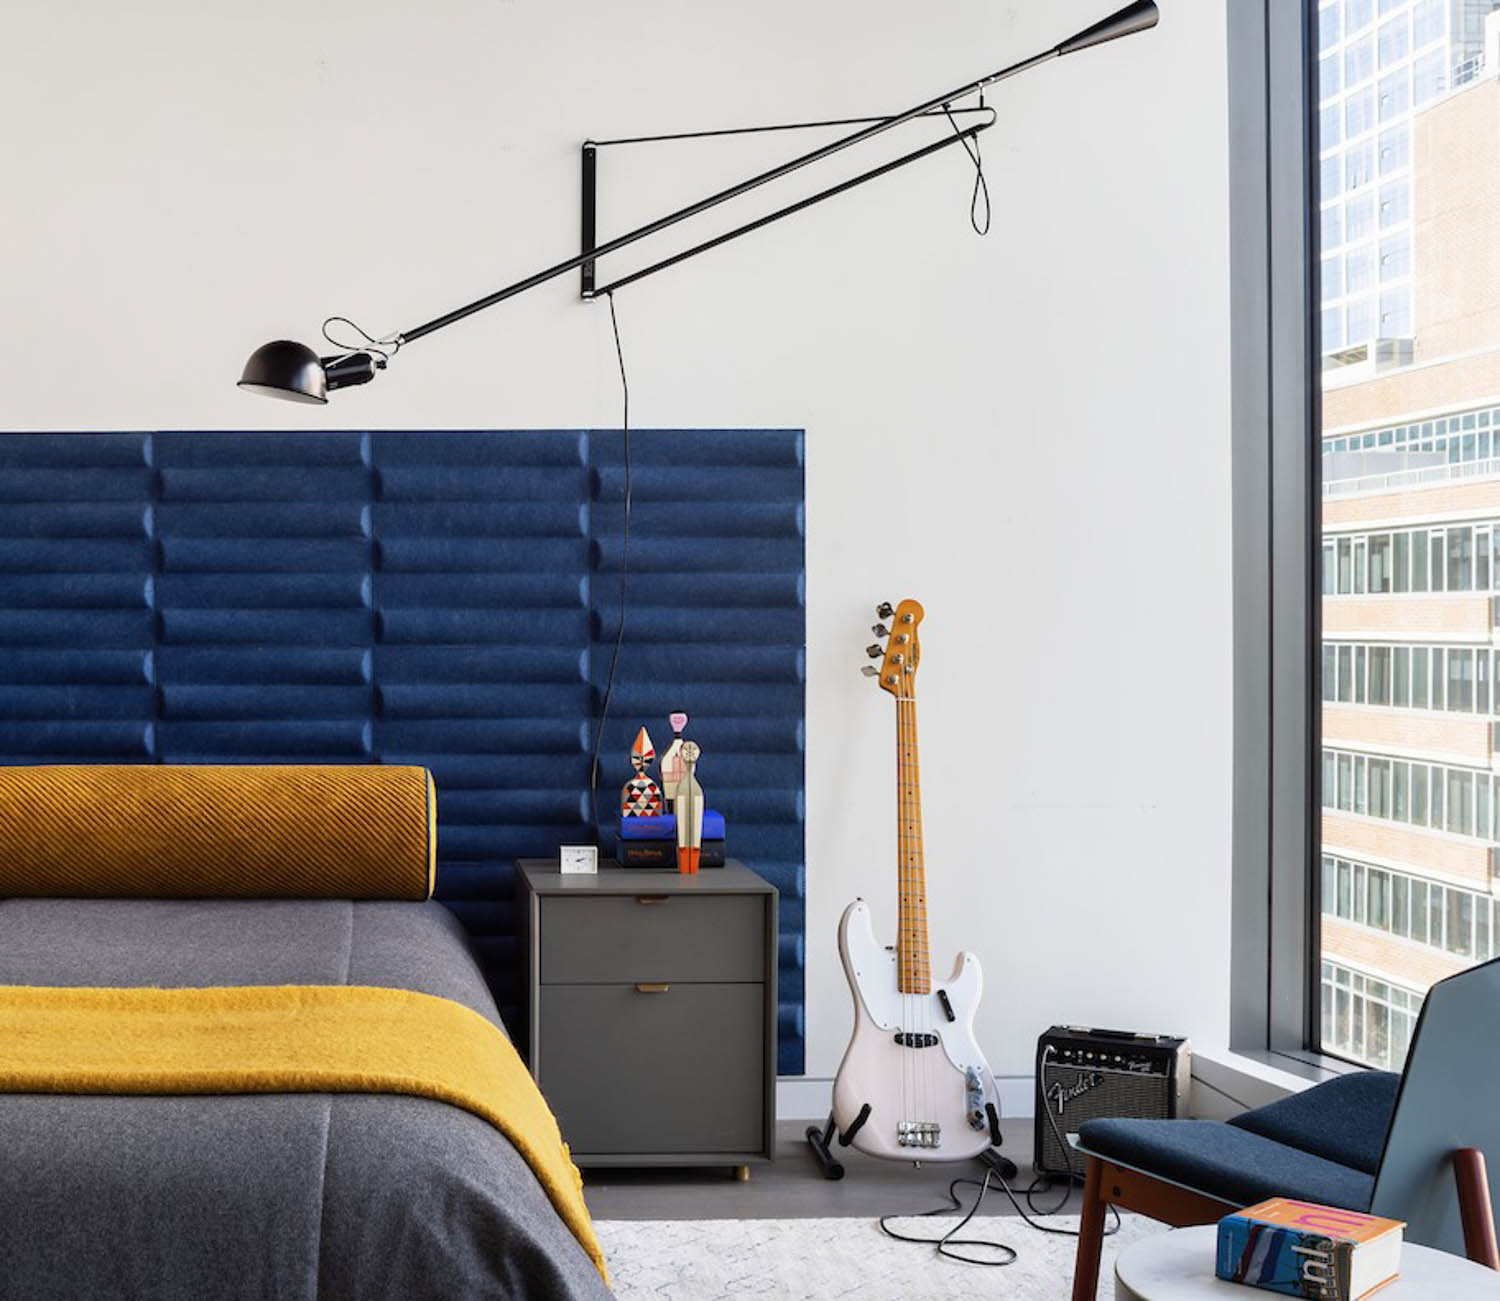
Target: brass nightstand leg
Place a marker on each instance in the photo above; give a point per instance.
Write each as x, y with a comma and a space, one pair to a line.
742, 1173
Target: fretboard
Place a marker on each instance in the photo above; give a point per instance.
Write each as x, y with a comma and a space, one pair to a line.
913, 965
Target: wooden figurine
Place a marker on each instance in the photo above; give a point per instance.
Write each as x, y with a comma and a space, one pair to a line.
671, 761
640, 797
688, 802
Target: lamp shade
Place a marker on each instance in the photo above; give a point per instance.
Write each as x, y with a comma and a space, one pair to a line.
285, 369
1123, 22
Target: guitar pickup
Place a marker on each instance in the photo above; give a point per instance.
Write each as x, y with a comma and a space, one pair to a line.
974, 1098
909, 1040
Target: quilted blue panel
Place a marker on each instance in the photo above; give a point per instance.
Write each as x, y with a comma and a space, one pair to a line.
448, 599
714, 627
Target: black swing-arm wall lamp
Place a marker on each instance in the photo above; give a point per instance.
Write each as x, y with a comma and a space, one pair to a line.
290, 370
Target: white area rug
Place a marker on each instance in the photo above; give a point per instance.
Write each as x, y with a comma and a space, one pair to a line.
803, 1260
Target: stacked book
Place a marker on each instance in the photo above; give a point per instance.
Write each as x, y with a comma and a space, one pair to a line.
1302, 1249
652, 841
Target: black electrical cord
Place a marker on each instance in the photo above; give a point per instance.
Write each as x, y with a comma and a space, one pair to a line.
981, 186
385, 348
948, 1240
614, 659
1043, 1183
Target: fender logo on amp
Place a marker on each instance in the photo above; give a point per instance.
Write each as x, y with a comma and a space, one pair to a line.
1060, 1096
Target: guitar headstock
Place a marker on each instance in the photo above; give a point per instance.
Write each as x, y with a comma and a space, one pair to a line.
902, 651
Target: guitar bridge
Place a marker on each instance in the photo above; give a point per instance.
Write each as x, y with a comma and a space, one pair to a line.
918, 1133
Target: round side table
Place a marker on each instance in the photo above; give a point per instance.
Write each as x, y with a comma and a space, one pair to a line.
1179, 1266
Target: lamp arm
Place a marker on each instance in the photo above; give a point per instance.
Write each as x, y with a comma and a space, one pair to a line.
1134, 17
721, 196
967, 134
287, 369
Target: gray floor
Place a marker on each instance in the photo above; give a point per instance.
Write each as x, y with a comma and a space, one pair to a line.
793, 1188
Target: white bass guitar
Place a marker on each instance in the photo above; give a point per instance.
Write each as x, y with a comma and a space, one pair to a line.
913, 1084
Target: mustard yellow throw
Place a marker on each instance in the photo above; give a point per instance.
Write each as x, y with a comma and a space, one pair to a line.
287, 1039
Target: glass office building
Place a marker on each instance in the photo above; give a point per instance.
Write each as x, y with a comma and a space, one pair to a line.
1409, 225
1380, 63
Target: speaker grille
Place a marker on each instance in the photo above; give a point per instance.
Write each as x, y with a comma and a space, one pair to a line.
1075, 1094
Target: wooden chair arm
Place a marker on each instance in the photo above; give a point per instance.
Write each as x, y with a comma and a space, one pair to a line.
1474, 1208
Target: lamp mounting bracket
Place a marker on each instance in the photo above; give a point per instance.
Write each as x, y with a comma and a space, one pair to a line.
589, 288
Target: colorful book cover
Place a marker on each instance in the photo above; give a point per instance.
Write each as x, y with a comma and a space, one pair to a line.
663, 826
663, 853
1305, 1250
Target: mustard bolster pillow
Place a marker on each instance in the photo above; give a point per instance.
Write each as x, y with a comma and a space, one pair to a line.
233, 831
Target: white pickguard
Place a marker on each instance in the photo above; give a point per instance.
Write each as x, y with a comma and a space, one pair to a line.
894, 1080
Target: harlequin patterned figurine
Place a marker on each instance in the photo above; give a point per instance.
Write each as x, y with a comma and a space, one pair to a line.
640, 797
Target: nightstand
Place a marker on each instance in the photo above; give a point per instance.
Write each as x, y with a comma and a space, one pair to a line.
652, 1012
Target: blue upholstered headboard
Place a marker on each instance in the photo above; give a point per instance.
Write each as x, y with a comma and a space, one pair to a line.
448, 599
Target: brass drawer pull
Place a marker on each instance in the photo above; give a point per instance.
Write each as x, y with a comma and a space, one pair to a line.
652, 898
648, 987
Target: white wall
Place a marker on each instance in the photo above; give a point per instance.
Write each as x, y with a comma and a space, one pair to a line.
1028, 432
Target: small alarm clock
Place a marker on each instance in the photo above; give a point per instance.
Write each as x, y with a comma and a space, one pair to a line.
577, 858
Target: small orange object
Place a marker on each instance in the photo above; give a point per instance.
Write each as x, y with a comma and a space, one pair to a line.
688, 804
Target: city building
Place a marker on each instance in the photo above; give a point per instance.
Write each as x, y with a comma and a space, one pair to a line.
1410, 210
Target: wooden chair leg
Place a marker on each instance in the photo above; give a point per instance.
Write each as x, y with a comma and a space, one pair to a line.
1474, 1209
1090, 1234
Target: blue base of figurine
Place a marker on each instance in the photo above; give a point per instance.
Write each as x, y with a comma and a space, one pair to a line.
663, 826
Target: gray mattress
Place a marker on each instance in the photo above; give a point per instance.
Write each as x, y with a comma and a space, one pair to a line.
274, 1196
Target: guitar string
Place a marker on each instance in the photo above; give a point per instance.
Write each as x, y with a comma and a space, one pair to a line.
919, 876
924, 955
924, 1058
914, 921
920, 872
903, 951
909, 929
907, 1076
914, 971
908, 922
919, 1109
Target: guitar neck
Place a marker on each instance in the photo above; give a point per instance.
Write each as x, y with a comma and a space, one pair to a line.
913, 963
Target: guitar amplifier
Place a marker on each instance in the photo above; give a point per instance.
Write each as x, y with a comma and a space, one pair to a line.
1085, 1074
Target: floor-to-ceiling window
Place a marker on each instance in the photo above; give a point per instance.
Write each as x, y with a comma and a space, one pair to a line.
1407, 190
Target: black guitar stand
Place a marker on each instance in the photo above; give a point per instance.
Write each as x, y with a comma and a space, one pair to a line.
1003, 1167
821, 1142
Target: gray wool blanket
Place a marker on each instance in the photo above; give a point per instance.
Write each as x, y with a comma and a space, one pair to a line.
291, 1196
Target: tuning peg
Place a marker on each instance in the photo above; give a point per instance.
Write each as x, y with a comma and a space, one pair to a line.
870, 671
875, 651
880, 630
884, 610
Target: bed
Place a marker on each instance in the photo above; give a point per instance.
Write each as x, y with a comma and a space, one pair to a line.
276, 1194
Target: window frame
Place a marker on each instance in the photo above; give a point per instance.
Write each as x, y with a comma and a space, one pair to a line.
1275, 968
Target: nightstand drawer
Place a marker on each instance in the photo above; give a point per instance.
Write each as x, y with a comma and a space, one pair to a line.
676, 1071
652, 937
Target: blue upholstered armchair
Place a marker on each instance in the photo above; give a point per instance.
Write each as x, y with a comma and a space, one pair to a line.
1370, 1141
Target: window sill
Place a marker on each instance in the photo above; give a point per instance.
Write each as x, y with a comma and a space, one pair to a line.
1227, 1082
